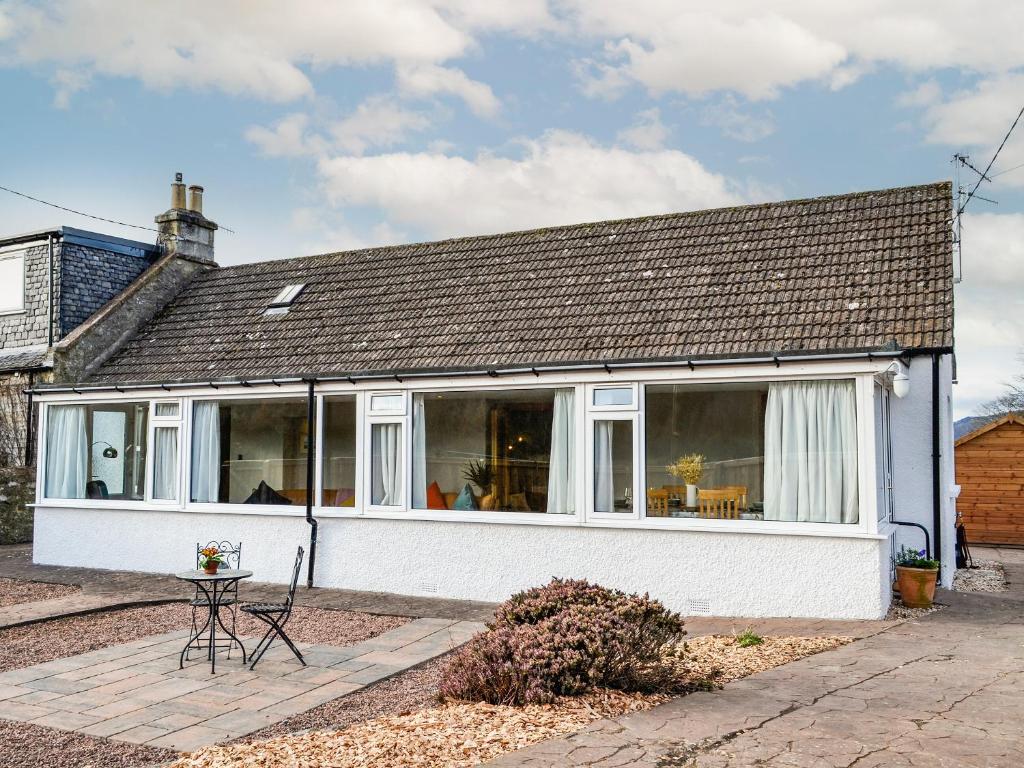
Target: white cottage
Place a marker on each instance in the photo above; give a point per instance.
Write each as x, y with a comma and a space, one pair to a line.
470, 417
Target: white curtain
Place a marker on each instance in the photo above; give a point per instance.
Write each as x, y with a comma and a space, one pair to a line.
165, 463
387, 464
419, 454
206, 451
604, 479
810, 454
562, 466
67, 452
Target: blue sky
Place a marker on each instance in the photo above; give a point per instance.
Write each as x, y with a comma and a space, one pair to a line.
342, 124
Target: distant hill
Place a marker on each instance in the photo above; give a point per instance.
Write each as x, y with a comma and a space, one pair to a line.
970, 423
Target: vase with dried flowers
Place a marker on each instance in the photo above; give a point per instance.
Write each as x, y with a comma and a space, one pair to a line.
210, 559
689, 469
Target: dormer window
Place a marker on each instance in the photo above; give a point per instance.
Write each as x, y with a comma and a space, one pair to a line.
284, 300
12, 281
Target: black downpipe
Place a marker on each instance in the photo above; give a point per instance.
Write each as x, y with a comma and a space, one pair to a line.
936, 462
310, 479
29, 428
927, 541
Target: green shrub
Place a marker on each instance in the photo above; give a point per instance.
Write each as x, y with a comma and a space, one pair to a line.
564, 639
747, 639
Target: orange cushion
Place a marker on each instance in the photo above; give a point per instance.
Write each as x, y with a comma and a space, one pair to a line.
435, 499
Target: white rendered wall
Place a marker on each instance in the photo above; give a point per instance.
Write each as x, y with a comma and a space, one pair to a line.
912, 460
724, 574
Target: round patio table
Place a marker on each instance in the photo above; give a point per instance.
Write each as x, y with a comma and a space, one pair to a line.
214, 587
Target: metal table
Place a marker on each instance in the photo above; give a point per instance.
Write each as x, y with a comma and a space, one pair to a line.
214, 587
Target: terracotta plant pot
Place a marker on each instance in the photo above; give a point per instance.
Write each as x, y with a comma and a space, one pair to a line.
211, 569
917, 586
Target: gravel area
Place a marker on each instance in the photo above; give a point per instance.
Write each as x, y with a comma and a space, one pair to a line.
459, 734
23, 745
31, 644
899, 612
987, 576
16, 591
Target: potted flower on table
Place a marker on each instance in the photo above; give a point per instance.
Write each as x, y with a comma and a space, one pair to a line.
210, 559
689, 469
916, 576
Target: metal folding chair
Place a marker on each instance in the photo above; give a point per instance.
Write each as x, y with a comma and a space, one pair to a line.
232, 559
275, 616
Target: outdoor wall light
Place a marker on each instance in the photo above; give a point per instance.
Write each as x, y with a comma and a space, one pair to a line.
900, 379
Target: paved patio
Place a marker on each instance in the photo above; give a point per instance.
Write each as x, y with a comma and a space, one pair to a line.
135, 692
947, 690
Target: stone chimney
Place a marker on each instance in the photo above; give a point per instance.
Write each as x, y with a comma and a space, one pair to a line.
183, 229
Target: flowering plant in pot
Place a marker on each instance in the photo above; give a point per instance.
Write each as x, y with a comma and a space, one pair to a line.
210, 559
916, 576
689, 469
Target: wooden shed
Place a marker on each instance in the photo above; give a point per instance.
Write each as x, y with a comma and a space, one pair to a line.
990, 472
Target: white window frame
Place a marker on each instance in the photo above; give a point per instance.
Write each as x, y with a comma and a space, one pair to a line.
220, 395
613, 415
163, 422
402, 410
16, 253
404, 450
633, 405
321, 405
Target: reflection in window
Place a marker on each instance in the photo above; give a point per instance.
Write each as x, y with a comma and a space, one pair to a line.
779, 451
339, 452
96, 451
510, 451
249, 451
613, 466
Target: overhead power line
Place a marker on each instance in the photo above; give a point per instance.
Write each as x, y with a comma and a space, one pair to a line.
89, 215
983, 175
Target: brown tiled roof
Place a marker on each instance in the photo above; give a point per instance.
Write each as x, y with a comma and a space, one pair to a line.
858, 272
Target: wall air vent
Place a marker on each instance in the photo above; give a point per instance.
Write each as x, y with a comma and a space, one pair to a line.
698, 606
284, 300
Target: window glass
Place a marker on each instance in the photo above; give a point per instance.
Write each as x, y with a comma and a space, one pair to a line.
165, 463
782, 451
96, 451
613, 396
167, 410
12, 281
389, 402
249, 451
613, 466
511, 451
339, 452
386, 465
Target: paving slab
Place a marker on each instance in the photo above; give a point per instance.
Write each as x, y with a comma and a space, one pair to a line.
943, 690
136, 692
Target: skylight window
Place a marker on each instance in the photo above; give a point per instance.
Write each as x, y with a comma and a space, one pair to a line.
283, 301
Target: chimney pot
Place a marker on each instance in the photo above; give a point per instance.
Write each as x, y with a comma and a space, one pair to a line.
195, 198
177, 193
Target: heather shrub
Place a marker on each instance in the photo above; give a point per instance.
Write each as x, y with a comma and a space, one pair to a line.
564, 639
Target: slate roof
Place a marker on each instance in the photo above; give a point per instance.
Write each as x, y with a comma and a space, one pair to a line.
858, 272
25, 358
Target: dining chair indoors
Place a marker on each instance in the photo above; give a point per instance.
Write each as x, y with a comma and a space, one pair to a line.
275, 616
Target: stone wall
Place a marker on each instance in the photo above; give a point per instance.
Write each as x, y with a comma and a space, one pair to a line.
23, 329
17, 491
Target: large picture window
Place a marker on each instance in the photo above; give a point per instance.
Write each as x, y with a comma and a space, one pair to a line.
339, 452
783, 451
501, 451
249, 451
96, 451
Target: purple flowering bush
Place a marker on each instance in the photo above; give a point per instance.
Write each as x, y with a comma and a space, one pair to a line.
564, 639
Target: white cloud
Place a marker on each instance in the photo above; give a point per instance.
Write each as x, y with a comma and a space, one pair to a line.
737, 123
253, 47
755, 49
66, 83
377, 122
647, 131
429, 80
989, 307
289, 137
559, 178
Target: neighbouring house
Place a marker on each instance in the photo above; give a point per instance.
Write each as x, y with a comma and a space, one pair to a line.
990, 472
469, 417
70, 298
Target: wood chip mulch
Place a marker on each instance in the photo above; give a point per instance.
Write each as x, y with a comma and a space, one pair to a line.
16, 591
459, 734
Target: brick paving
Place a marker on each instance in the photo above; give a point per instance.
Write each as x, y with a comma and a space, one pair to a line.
135, 692
945, 690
